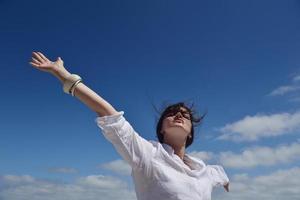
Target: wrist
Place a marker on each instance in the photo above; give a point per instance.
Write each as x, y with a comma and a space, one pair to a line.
62, 74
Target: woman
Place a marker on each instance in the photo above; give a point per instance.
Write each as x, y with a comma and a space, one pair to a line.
160, 170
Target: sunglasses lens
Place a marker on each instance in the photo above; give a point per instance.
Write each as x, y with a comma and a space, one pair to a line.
185, 114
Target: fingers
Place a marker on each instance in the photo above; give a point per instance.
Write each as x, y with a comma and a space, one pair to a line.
42, 56
38, 57
36, 61
34, 64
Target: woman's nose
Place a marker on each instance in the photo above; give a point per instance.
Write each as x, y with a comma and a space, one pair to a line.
178, 115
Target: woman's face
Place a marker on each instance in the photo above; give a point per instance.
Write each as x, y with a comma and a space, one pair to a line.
176, 126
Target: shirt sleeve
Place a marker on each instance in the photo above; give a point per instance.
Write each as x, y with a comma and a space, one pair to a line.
133, 148
217, 175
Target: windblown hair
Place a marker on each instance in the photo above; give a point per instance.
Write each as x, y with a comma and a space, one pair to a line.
195, 119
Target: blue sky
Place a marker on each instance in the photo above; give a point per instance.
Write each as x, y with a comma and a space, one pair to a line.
239, 60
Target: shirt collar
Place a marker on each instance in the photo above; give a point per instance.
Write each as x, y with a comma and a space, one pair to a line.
196, 163
168, 148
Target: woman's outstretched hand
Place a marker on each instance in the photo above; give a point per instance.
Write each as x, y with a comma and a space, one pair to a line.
41, 62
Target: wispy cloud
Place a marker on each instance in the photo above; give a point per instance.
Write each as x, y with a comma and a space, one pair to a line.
254, 156
282, 90
281, 184
296, 78
261, 156
203, 155
90, 187
252, 128
118, 166
64, 170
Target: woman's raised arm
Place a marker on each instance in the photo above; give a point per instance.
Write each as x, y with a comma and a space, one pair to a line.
133, 148
82, 92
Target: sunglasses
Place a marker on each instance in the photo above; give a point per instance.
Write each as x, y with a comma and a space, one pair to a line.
185, 114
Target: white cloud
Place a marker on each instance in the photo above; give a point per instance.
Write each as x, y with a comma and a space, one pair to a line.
252, 128
118, 166
12, 180
282, 184
103, 182
92, 187
254, 156
203, 155
64, 170
296, 78
284, 90
261, 156
292, 89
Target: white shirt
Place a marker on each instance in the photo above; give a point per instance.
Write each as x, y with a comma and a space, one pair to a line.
157, 172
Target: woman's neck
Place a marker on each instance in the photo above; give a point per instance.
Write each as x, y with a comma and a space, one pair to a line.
179, 151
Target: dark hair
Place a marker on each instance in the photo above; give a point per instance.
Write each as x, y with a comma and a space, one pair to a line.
195, 119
